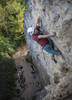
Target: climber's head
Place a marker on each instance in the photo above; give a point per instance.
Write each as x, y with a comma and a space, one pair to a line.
30, 30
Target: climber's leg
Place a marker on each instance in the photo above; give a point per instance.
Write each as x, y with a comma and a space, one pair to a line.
49, 49
52, 56
53, 46
51, 43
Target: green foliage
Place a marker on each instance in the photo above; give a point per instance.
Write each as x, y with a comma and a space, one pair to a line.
11, 36
5, 45
11, 22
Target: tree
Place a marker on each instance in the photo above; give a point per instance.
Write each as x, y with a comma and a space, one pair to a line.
11, 36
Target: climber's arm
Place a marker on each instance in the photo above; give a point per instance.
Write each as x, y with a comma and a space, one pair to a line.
48, 35
38, 23
38, 20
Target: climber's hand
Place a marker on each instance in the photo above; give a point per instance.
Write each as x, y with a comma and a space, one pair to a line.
53, 34
40, 36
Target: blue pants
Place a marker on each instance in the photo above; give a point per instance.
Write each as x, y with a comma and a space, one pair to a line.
49, 49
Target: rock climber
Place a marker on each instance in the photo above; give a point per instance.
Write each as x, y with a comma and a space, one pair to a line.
44, 39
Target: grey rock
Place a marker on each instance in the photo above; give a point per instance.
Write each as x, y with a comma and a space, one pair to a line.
56, 17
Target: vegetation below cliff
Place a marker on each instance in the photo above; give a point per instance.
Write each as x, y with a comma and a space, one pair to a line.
11, 36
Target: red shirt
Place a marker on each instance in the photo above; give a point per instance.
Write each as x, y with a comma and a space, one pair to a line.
43, 42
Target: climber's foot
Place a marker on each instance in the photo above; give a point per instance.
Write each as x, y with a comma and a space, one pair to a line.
55, 61
60, 53
53, 58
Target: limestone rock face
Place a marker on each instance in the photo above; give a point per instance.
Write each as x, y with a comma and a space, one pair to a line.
56, 17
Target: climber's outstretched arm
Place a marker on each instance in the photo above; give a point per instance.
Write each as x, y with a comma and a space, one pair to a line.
38, 24
48, 35
38, 20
